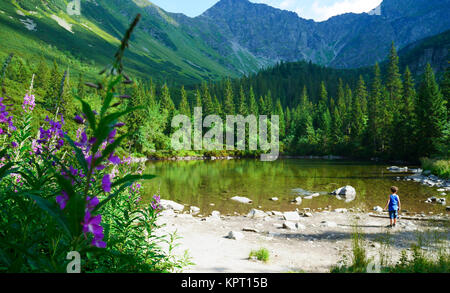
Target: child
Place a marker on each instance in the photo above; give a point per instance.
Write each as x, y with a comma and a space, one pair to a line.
394, 206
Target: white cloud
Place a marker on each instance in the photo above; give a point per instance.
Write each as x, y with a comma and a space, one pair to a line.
321, 10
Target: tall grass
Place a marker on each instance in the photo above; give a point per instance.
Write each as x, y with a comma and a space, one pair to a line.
437, 167
430, 254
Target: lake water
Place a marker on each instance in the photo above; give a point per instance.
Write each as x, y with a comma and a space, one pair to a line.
202, 183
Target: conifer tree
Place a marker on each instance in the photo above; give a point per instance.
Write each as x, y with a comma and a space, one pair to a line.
242, 103
431, 114
375, 108
184, 105
229, 107
253, 106
358, 118
208, 106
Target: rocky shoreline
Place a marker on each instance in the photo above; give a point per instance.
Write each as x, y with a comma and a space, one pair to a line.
300, 240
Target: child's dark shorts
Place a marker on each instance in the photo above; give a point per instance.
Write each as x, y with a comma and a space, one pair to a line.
393, 214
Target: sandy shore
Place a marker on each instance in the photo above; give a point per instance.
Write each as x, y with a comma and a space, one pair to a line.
319, 243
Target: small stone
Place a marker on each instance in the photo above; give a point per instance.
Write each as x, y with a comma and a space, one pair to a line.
235, 235
300, 226
274, 199
308, 215
378, 209
276, 213
308, 197
256, 214
328, 224
315, 194
247, 229
342, 211
297, 200
215, 214
242, 199
289, 225
291, 216
375, 245
194, 210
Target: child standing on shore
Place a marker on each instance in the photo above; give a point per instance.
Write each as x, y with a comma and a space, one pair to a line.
394, 205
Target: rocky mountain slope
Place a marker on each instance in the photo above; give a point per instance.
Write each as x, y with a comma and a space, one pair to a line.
344, 41
232, 38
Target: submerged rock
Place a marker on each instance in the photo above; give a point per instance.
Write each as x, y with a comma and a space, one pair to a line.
242, 199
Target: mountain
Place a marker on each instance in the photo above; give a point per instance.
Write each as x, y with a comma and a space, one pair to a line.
232, 38
344, 41
160, 47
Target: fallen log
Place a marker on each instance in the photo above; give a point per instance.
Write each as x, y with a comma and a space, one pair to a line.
411, 218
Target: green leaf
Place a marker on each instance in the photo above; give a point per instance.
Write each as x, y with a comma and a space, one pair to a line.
78, 154
53, 211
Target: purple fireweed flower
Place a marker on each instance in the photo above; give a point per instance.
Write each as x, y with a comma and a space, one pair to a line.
14, 144
91, 203
119, 125
111, 136
78, 119
91, 224
62, 200
28, 103
114, 159
106, 183
6, 120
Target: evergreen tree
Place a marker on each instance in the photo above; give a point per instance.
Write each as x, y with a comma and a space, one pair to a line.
184, 105
375, 108
42, 76
242, 103
253, 106
229, 107
166, 101
51, 98
358, 118
431, 114
208, 106
405, 129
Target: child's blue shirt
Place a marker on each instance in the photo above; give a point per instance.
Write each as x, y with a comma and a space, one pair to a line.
393, 202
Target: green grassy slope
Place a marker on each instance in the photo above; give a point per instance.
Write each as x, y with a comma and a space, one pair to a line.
160, 48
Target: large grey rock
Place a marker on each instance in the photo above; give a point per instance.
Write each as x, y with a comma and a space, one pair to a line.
347, 192
171, 205
242, 199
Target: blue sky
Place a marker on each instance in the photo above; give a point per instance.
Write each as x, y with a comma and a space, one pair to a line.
318, 10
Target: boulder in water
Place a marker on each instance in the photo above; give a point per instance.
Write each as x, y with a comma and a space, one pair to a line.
347, 192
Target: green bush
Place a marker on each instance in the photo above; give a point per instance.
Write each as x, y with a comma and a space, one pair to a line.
261, 255
437, 167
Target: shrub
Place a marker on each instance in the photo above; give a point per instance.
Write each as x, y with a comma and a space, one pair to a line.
261, 255
439, 168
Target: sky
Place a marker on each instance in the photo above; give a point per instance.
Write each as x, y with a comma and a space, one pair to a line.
319, 10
